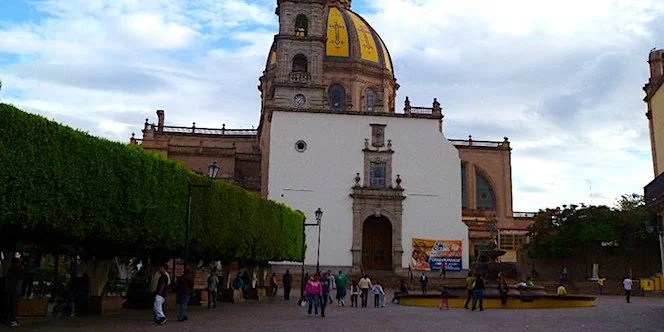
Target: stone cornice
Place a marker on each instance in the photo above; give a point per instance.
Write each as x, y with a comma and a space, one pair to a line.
377, 193
651, 88
390, 115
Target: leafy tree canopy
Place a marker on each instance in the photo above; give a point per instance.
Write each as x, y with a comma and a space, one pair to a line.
565, 231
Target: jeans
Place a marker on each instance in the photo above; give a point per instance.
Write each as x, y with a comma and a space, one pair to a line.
376, 300
158, 307
365, 296
478, 294
184, 303
469, 297
628, 294
323, 304
314, 300
212, 298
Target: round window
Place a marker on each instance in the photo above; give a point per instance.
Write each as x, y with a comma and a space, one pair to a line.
300, 146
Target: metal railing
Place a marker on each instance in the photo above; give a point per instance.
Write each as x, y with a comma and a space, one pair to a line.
209, 131
470, 142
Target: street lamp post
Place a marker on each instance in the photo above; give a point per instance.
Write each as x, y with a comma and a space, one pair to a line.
213, 169
319, 215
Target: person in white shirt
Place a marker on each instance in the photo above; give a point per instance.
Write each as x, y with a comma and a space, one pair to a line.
627, 286
379, 294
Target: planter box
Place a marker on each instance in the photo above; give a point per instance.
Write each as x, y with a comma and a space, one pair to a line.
104, 304
32, 308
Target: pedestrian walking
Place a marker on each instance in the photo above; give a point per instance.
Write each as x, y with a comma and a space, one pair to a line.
274, 286
341, 281
365, 285
502, 289
564, 274
327, 284
287, 281
444, 295
212, 289
478, 293
330, 277
424, 280
314, 293
354, 294
160, 296
184, 290
627, 286
600, 285
443, 270
238, 288
470, 284
379, 294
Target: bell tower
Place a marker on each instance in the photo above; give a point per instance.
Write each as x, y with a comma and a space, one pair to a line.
295, 74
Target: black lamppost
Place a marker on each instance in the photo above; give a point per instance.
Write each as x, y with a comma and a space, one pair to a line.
319, 215
213, 169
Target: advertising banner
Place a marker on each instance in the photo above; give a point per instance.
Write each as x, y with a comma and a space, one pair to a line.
429, 255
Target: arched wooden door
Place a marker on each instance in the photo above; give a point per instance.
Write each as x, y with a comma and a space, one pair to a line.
377, 244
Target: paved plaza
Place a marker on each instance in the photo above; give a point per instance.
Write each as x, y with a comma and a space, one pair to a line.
610, 314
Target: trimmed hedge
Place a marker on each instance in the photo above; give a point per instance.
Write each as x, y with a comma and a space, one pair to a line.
63, 189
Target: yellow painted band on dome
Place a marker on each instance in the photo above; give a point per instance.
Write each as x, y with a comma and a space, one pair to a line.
367, 43
273, 58
337, 35
386, 56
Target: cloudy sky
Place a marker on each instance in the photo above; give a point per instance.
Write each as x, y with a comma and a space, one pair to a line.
562, 79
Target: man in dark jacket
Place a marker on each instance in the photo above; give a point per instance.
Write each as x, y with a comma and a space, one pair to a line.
478, 292
287, 281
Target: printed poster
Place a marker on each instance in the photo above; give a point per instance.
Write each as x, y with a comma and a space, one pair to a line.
429, 254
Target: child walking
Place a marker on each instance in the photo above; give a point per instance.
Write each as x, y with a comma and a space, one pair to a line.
444, 295
354, 293
379, 294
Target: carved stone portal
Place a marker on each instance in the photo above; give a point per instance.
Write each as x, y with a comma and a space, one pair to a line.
376, 205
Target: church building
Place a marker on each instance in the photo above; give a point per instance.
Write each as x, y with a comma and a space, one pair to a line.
394, 191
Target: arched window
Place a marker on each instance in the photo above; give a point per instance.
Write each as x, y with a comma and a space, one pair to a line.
300, 63
369, 100
337, 97
484, 193
301, 25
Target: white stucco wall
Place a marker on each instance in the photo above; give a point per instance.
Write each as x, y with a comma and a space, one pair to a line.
323, 175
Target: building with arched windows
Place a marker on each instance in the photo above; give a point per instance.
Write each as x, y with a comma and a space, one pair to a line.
331, 137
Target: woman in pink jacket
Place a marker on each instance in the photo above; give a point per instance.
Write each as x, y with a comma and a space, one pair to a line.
314, 292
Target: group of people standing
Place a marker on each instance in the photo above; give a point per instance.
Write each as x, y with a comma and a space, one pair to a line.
318, 291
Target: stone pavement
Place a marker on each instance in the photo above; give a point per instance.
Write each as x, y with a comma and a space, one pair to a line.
610, 314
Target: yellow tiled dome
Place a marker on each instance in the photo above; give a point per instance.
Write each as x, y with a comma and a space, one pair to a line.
349, 38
